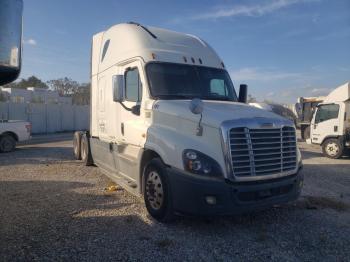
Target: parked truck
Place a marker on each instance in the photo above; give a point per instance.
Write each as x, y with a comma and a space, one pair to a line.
11, 132
166, 124
330, 124
305, 108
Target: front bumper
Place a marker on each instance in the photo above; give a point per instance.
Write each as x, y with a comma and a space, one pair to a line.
190, 192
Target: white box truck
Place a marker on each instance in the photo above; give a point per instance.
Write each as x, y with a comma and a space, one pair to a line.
166, 124
330, 124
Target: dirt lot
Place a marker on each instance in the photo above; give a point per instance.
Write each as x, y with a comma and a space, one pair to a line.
54, 208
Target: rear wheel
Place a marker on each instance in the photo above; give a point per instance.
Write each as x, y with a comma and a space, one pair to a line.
157, 193
333, 148
85, 151
77, 145
7, 143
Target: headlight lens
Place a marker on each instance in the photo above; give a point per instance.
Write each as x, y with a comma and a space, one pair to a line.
199, 163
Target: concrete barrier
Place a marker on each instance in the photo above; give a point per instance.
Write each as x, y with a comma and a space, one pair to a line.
48, 118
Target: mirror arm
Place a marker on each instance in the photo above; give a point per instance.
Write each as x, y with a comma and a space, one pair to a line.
125, 107
132, 109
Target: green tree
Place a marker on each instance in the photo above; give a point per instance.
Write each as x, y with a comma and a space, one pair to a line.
64, 86
82, 95
31, 81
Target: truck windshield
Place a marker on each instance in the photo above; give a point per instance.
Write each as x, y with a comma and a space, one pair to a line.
326, 112
178, 81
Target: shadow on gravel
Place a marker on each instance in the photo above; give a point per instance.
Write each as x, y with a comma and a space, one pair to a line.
55, 220
47, 220
49, 138
310, 154
36, 155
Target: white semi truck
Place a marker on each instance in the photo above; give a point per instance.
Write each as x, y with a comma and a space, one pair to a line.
166, 124
330, 124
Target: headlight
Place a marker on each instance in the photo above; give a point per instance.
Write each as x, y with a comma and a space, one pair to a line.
199, 163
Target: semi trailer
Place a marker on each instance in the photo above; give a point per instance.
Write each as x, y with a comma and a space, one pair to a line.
330, 124
167, 125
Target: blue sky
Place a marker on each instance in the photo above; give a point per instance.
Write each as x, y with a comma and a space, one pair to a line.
281, 48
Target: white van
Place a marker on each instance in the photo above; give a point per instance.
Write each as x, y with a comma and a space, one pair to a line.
167, 124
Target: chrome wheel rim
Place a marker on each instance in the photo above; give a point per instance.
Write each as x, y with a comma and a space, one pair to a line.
83, 151
154, 190
332, 149
75, 146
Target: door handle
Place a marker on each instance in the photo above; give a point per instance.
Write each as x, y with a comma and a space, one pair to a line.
122, 128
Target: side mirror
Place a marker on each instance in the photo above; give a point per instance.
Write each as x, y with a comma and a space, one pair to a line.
10, 39
196, 106
118, 88
243, 91
136, 110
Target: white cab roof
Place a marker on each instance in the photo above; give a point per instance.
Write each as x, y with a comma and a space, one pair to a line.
129, 41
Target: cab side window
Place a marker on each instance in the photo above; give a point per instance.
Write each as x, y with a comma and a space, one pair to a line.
218, 87
105, 48
326, 112
133, 89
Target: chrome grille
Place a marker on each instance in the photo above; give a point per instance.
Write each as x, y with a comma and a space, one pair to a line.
258, 152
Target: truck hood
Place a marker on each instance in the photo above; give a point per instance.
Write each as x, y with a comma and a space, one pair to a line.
214, 112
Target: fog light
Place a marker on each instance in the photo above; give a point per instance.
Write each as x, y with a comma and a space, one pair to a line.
211, 200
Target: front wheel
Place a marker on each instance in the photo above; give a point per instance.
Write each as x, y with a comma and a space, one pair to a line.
7, 143
157, 193
332, 148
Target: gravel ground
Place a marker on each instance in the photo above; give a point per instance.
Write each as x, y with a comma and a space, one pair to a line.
54, 208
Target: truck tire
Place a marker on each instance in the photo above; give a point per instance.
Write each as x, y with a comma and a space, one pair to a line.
157, 193
332, 148
77, 145
85, 151
7, 143
306, 133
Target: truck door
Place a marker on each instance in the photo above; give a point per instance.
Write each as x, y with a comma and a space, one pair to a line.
326, 122
101, 108
131, 123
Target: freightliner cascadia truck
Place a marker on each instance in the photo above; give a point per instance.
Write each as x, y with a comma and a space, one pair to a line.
168, 125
